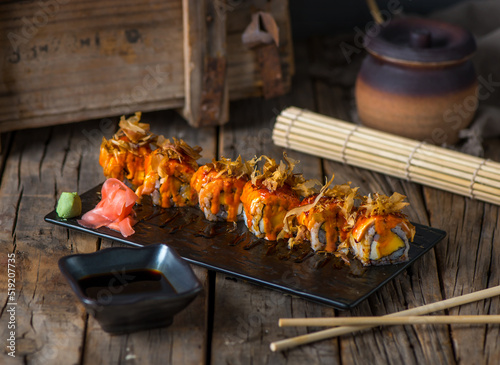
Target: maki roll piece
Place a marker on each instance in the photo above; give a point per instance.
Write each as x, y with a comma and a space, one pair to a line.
169, 170
219, 185
324, 219
124, 155
381, 234
268, 196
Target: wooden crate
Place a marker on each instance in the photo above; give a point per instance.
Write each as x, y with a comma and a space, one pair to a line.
64, 61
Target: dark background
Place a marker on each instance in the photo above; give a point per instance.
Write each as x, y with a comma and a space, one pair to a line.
322, 17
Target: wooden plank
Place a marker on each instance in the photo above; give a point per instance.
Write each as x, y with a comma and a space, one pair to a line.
205, 64
54, 71
417, 286
185, 341
245, 315
491, 233
49, 324
5, 142
466, 262
246, 81
91, 59
52, 325
53, 328
446, 272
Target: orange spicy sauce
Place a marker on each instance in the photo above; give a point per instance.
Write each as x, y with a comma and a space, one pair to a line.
327, 212
178, 174
117, 162
151, 175
112, 161
224, 190
383, 226
276, 204
135, 164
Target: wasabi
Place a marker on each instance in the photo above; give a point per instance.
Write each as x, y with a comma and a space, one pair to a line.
69, 205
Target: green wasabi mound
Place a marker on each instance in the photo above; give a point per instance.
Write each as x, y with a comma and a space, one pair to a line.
69, 205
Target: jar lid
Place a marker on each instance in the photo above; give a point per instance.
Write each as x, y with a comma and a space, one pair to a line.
418, 40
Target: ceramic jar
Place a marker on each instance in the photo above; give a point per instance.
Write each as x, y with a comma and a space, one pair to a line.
418, 80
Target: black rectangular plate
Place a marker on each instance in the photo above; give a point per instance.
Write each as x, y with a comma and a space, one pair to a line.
233, 250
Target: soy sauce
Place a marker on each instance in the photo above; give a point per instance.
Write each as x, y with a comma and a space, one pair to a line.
103, 287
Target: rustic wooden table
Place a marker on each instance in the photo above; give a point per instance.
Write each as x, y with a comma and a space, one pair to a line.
232, 321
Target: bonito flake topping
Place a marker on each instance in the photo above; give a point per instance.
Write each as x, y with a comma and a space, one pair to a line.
275, 175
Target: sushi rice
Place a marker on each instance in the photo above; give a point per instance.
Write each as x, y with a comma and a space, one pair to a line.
367, 249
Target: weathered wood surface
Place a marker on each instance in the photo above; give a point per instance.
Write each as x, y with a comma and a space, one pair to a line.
233, 321
72, 60
243, 77
244, 337
185, 341
64, 61
390, 344
52, 326
206, 99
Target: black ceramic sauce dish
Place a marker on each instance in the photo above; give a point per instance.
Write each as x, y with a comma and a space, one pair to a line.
119, 309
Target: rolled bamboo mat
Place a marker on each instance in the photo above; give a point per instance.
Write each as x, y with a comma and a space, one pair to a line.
416, 161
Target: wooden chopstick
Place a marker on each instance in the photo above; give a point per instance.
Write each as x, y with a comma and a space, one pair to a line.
384, 320
375, 11
424, 309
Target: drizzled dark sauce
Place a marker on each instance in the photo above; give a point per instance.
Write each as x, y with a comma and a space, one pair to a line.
303, 257
188, 224
151, 216
357, 269
210, 231
272, 249
323, 262
234, 228
251, 242
237, 240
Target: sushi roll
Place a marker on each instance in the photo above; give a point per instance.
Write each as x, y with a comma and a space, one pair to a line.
219, 185
268, 196
324, 219
123, 156
169, 170
381, 233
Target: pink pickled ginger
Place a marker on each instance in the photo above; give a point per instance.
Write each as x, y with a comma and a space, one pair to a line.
114, 210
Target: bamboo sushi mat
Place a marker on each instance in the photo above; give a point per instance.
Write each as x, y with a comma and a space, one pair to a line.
415, 161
